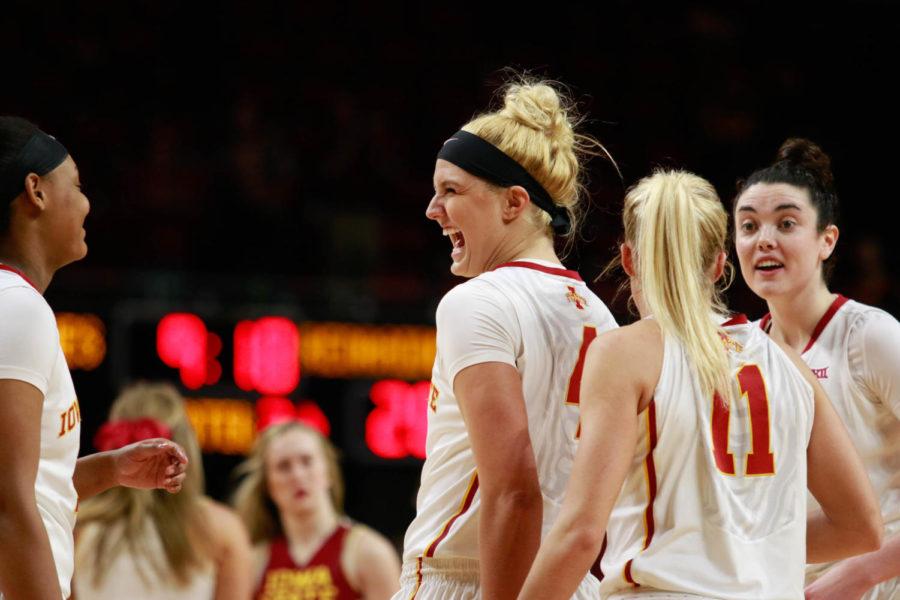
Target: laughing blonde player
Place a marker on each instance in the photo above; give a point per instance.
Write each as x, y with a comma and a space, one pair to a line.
709, 490
503, 415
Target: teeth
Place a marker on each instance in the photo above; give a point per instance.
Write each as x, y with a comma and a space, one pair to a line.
450, 230
769, 263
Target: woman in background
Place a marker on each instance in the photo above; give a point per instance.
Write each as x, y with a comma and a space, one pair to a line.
291, 500
151, 545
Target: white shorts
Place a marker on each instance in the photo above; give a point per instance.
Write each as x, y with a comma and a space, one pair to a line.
654, 595
457, 579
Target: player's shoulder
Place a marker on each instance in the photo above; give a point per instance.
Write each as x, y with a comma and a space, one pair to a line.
864, 313
629, 342
477, 292
22, 304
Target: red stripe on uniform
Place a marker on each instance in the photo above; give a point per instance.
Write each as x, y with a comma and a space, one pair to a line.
418, 578
826, 318
649, 525
466, 503
551, 270
19, 273
736, 319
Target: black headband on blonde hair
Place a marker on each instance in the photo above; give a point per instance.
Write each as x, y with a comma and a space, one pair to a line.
40, 154
482, 159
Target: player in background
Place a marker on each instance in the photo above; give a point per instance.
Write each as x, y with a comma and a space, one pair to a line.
291, 500
150, 544
503, 418
785, 219
699, 434
42, 212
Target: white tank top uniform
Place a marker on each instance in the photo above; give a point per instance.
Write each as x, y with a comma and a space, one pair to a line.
855, 353
714, 505
30, 352
130, 576
538, 318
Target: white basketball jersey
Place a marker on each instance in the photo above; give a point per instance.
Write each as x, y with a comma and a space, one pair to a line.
38, 359
834, 355
539, 318
715, 501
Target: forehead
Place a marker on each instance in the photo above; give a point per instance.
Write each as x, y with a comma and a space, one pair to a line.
293, 443
67, 168
770, 197
445, 171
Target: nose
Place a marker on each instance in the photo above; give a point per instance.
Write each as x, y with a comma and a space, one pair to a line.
766, 238
435, 208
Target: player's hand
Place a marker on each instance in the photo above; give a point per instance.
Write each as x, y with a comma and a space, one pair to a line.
151, 464
838, 582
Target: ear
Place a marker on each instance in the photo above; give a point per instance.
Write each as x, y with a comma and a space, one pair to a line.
828, 240
35, 196
627, 257
515, 201
719, 266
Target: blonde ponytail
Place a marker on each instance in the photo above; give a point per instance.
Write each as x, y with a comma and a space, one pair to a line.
677, 227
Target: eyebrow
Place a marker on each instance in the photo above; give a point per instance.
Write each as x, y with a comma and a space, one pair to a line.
448, 183
789, 206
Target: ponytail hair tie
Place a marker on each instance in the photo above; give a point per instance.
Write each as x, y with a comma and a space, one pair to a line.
116, 434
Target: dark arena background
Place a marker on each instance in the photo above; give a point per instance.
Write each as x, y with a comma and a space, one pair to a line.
259, 173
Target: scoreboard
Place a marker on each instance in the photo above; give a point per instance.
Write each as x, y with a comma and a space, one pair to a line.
366, 385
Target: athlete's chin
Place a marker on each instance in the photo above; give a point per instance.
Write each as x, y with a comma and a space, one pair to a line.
770, 290
463, 269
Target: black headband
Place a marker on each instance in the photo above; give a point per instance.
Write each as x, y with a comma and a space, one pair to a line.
40, 154
482, 159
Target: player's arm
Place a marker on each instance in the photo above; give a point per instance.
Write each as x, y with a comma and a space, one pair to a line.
148, 464
509, 530
620, 371
232, 553
373, 564
850, 520
27, 570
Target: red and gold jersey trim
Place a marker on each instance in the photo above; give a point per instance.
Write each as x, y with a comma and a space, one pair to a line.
418, 578
650, 472
466, 503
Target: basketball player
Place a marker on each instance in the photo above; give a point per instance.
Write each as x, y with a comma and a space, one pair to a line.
152, 545
785, 234
291, 501
42, 212
706, 490
503, 412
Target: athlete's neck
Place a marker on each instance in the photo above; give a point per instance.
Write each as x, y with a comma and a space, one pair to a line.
309, 528
538, 246
27, 259
794, 318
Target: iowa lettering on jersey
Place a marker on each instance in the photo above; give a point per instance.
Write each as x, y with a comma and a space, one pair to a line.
69, 418
309, 584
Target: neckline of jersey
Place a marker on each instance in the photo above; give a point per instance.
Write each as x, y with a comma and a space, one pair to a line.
19, 273
528, 264
766, 322
736, 319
